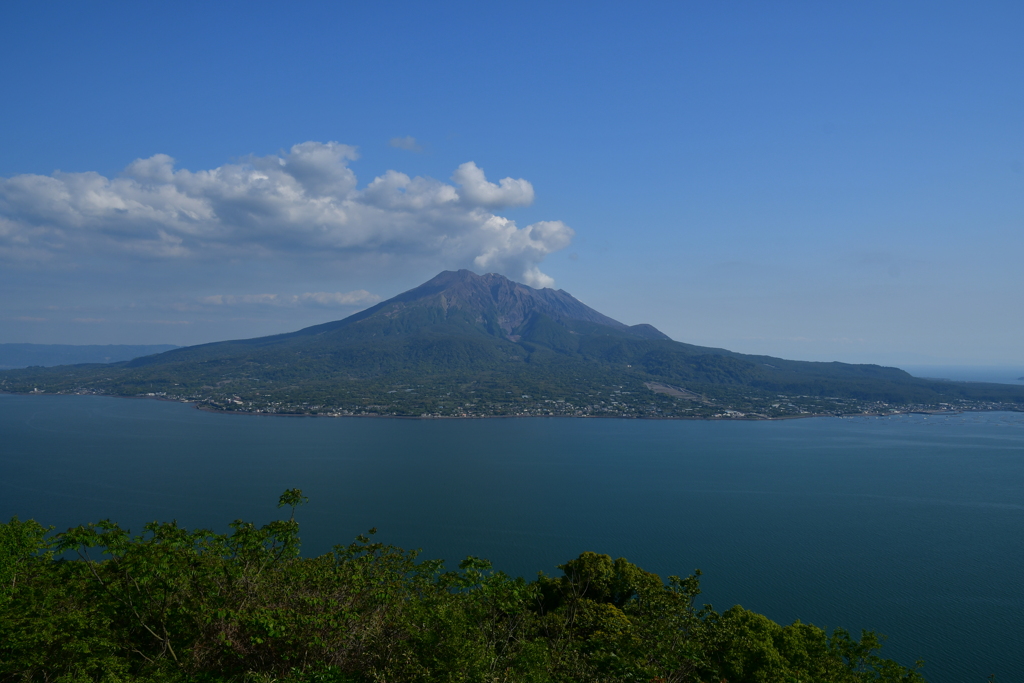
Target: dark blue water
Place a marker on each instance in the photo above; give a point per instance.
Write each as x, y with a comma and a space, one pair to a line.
912, 526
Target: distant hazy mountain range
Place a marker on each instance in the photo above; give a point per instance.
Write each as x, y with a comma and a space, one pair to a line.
48, 355
467, 344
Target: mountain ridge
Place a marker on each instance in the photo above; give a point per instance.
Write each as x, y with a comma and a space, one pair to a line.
508, 301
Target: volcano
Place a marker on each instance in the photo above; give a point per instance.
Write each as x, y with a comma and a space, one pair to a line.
464, 343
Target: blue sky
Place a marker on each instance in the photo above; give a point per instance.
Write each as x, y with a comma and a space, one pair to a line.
818, 181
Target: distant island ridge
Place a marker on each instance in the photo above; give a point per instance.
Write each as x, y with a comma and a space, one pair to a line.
468, 345
1000, 374
48, 355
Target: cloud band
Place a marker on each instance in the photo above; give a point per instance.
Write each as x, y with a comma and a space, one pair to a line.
304, 202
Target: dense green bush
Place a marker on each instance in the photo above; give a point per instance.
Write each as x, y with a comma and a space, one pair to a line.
179, 605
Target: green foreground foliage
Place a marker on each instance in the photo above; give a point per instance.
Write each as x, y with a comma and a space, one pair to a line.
179, 605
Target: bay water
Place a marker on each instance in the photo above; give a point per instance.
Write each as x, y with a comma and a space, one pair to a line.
912, 526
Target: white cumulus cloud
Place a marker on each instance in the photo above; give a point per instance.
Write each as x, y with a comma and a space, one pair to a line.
477, 190
304, 203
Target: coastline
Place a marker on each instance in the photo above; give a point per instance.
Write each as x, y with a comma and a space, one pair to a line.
748, 417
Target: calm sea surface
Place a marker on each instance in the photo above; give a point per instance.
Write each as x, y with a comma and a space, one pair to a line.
912, 526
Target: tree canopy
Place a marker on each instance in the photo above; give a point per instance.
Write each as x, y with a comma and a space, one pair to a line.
96, 603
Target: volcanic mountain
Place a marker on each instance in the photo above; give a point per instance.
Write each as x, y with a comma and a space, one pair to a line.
482, 344
455, 319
